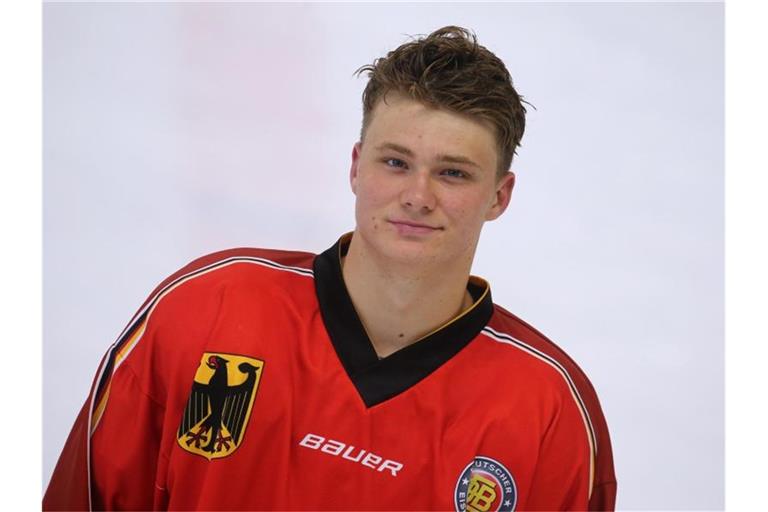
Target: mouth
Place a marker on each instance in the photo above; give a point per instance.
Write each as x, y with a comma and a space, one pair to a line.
413, 228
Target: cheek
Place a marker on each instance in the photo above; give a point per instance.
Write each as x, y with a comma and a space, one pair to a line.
466, 211
371, 202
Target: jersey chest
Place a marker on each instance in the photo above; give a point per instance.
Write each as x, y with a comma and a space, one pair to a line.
293, 431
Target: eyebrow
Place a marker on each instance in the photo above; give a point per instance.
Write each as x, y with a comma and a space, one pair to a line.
455, 159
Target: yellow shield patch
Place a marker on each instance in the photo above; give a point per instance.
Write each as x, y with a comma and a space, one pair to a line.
219, 404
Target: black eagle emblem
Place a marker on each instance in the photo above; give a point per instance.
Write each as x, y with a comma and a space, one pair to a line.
217, 411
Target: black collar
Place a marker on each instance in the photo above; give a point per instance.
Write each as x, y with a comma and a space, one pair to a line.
377, 379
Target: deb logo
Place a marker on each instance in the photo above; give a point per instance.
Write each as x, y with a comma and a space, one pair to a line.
485, 485
219, 404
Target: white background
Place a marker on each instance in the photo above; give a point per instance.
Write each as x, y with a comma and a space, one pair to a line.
175, 130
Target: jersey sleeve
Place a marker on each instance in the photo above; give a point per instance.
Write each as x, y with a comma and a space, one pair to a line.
111, 457
604, 489
603, 496
574, 470
68, 487
126, 469
561, 479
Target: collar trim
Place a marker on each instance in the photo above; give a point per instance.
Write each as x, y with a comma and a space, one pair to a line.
378, 380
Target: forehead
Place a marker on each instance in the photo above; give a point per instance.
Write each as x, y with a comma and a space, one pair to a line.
400, 119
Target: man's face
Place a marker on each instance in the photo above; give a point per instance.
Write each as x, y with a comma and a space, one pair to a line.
425, 182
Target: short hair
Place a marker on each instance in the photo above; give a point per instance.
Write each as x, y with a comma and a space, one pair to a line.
448, 69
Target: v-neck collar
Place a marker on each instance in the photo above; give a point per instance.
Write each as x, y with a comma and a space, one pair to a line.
377, 379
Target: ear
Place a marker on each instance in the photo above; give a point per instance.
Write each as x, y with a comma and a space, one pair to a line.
354, 168
503, 194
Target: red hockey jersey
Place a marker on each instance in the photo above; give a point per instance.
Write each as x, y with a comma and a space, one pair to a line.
246, 381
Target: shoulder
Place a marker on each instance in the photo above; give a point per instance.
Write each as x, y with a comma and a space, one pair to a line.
514, 341
518, 339
244, 260
231, 268
287, 258
191, 299
173, 325
530, 356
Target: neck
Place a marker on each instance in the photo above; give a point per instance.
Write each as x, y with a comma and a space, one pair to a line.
400, 303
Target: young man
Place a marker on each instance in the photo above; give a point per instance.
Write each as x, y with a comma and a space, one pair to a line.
376, 375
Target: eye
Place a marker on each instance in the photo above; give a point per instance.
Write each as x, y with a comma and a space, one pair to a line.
394, 162
455, 173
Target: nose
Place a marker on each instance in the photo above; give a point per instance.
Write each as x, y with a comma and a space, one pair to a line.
417, 194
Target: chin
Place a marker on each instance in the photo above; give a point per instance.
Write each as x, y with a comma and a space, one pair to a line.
395, 247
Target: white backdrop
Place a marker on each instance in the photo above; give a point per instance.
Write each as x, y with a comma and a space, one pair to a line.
174, 130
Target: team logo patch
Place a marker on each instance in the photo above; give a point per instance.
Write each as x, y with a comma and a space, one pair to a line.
219, 404
485, 485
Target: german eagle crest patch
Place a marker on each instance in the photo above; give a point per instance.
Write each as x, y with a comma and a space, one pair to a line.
219, 405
